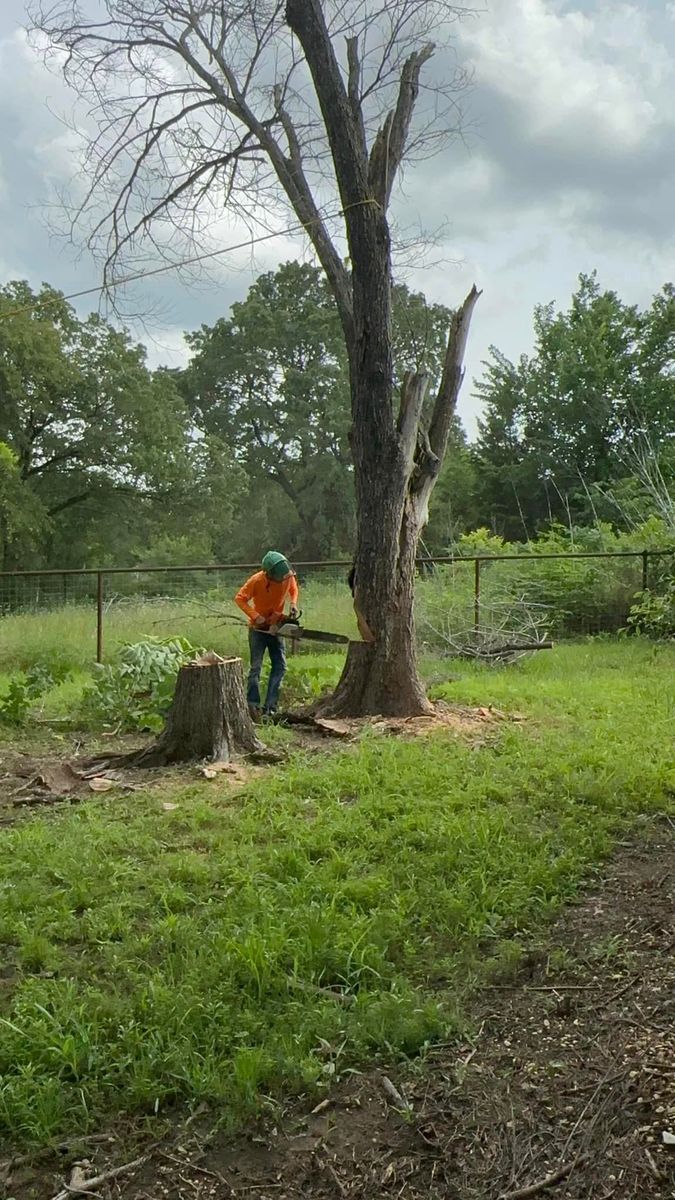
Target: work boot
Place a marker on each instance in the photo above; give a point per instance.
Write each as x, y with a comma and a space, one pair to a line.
255, 713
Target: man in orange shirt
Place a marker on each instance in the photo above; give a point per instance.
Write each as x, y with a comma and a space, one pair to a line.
263, 598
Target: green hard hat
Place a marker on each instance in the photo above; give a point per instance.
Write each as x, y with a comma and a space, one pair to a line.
276, 565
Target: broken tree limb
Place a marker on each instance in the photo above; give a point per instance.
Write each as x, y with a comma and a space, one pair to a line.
354, 86
84, 1186
515, 648
453, 372
433, 443
413, 391
386, 155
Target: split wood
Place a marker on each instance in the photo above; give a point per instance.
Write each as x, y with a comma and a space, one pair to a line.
97, 1181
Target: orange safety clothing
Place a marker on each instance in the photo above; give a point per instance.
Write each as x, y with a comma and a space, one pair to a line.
264, 597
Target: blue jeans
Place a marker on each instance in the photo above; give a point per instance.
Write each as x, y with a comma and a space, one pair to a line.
259, 643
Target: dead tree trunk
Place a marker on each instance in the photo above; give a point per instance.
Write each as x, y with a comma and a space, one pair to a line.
393, 492
396, 461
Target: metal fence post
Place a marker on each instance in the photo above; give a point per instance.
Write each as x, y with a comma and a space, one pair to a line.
645, 570
476, 596
99, 616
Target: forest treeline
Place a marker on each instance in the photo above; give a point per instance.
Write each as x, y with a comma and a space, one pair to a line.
104, 461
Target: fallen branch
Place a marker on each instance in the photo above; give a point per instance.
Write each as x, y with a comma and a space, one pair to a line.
97, 1181
548, 1181
315, 989
621, 992
512, 648
541, 987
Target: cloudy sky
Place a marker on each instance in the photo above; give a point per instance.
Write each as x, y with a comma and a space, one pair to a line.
569, 165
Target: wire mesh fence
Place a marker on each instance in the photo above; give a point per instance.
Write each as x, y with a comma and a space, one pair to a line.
85, 616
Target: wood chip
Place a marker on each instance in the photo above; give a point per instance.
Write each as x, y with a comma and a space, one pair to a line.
60, 779
100, 784
213, 770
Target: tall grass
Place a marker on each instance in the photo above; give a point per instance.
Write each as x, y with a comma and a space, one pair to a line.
68, 635
569, 597
165, 957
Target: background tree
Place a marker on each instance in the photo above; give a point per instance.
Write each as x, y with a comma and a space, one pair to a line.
98, 441
569, 420
272, 381
202, 101
21, 517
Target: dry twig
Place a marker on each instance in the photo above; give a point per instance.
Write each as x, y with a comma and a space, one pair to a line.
548, 1181
97, 1181
393, 1094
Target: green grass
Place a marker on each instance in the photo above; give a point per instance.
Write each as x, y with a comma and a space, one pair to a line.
580, 595
68, 635
154, 958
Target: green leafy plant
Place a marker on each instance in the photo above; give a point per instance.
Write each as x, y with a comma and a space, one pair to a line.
654, 613
25, 689
136, 691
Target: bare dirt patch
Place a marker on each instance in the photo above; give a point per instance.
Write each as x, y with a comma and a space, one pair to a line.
30, 781
454, 718
566, 1088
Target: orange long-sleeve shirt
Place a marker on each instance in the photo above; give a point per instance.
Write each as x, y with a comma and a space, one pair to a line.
264, 597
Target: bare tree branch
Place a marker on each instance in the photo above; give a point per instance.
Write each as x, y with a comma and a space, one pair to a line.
79, 498
453, 374
389, 147
306, 19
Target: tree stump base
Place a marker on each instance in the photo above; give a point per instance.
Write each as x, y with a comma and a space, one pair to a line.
374, 684
208, 719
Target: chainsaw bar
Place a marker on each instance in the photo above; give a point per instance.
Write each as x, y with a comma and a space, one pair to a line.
291, 630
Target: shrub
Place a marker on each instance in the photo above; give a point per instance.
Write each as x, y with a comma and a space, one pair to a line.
654, 613
136, 692
25, 688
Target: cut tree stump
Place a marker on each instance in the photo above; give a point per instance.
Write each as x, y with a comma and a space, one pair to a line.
208, 719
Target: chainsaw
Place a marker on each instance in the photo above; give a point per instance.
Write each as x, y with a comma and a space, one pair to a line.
290, 627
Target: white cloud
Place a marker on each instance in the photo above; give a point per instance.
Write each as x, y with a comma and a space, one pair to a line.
574, 74
572, 167
167, 348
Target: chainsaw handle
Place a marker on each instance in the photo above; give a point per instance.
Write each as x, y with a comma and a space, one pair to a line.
284, 621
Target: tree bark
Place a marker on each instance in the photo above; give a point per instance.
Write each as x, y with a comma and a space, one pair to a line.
393, 487
395, 463
208, 718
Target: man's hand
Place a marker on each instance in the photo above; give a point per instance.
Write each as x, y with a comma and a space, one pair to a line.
293, 613
259, 623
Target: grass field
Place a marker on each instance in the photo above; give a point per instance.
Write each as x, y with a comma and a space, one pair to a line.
568, 596
154, 958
